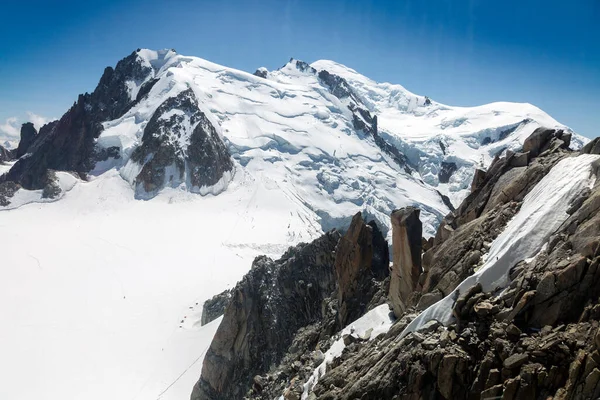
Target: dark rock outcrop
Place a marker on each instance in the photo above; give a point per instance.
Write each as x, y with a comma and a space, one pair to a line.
267, 308
536, 339
261, 73
202, 163
284, 314
28, 134
446, 171
338, 86
407, 233
215, 307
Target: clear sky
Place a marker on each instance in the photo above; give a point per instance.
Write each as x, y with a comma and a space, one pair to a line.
544, 52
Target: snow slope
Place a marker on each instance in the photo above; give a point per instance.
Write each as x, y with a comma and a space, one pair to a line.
543, 211
93, 288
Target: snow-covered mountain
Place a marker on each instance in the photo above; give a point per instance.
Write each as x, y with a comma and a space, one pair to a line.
333, 141
166, 181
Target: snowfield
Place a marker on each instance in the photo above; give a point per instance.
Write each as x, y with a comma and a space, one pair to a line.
94, 287
101, 293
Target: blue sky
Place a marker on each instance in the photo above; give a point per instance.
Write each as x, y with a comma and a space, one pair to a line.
457, 52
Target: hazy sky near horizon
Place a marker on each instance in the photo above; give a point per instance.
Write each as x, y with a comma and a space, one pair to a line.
457, 52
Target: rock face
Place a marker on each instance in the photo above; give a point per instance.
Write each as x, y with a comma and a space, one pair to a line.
267, 308
215, 307
28, 135
68, 144
283, 312
167, 158
355, 267
5, 155
407, 232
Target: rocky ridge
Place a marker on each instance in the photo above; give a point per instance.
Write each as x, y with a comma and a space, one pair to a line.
283, 309
535, 339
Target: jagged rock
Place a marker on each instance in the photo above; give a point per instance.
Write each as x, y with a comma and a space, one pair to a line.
28, 135
354, 262
338, 85
303, 66
478, 179
215, 307
273, 301
406, 243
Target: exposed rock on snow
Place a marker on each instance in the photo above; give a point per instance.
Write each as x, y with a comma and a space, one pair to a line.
179, 145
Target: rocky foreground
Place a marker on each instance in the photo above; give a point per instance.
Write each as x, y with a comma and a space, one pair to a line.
536, 338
